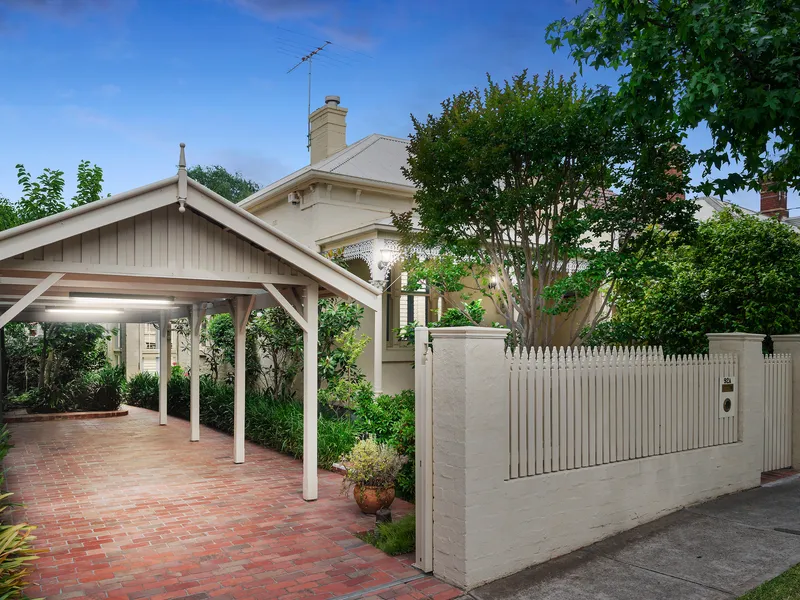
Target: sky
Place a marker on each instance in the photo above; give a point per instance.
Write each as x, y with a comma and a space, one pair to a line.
122, 82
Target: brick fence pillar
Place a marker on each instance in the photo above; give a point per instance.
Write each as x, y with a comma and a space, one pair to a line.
790, 344
750, 381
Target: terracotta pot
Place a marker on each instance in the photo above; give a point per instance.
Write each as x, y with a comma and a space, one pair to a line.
371, 499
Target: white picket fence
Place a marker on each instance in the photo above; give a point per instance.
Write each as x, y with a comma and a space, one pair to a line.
777, 411
578, 407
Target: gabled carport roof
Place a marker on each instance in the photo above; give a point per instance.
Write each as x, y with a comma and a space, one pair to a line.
143, 235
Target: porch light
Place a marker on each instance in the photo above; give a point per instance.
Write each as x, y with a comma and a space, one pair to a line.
493, 282
120, 300
84, 311
387, 256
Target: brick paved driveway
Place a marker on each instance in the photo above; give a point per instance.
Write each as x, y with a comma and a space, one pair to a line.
127, 509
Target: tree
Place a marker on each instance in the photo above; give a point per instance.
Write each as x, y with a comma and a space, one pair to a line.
90, 184
733, 64
41, 197
59, 343
233, 186
280, 340
740, 273
546, 187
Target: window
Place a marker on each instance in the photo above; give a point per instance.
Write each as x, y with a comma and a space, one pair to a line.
150, 336
406, 305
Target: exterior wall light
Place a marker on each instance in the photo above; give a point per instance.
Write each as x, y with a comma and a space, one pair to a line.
387, 258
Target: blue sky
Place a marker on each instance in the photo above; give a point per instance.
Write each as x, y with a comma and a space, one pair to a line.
122, 82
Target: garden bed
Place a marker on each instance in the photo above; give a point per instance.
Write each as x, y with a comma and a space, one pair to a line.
21, 416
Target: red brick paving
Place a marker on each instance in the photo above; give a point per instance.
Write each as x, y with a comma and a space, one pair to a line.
127, 509
770, 476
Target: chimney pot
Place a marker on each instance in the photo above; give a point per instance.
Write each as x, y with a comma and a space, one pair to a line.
333, 100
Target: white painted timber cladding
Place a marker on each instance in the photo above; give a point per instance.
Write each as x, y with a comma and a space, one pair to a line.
165, 240
777, 411
572, 408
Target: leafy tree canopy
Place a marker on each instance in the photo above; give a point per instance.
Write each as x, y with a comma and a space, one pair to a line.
233, 186
733, 64
741, 273
532, 178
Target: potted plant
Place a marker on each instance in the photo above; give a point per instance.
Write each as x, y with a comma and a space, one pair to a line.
371, 470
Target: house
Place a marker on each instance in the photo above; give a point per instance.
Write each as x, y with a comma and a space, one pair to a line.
341, 203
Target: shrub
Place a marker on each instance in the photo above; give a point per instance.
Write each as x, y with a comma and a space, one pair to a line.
105, 389
391, 420
398, 537
142, 390
373, 464
16, 551
178, 391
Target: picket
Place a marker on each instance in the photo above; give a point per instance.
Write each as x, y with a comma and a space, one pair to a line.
571, 408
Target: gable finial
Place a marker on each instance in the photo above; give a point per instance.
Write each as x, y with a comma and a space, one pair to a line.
182, 180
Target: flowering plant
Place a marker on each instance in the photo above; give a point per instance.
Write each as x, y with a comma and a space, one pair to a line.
371, 464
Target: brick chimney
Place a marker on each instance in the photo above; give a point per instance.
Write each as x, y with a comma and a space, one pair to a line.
773, 202
327, 129
677, 173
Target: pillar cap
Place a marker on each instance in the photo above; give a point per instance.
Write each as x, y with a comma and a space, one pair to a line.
737, 335
472, 333
786, 337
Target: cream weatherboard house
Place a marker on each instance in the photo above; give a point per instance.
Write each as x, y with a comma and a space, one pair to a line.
342, 203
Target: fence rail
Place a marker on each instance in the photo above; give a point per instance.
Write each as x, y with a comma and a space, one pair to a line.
577, 407
777, 411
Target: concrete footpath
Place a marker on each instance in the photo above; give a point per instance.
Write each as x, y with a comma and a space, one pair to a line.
720, 549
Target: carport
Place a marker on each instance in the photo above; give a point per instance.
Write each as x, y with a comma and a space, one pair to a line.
169, 250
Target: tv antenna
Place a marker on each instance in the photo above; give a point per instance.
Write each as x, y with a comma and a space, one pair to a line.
309, 58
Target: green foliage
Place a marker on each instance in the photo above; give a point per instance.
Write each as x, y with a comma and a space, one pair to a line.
221, 347
280, 339
471, 314
390, 419
740, 273
16, 550
397, 537
8, 214
371, 463
341, 380
275, 423
107, 388
142, 390
530, 177
732, 64
41, 197
90, 184
233, 186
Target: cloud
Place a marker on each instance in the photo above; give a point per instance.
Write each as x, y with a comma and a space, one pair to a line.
324, 19
278, 10
61, 10
109, 90
126, 130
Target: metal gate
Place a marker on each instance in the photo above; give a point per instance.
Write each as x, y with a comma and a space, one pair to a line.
777, 412
423, 397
